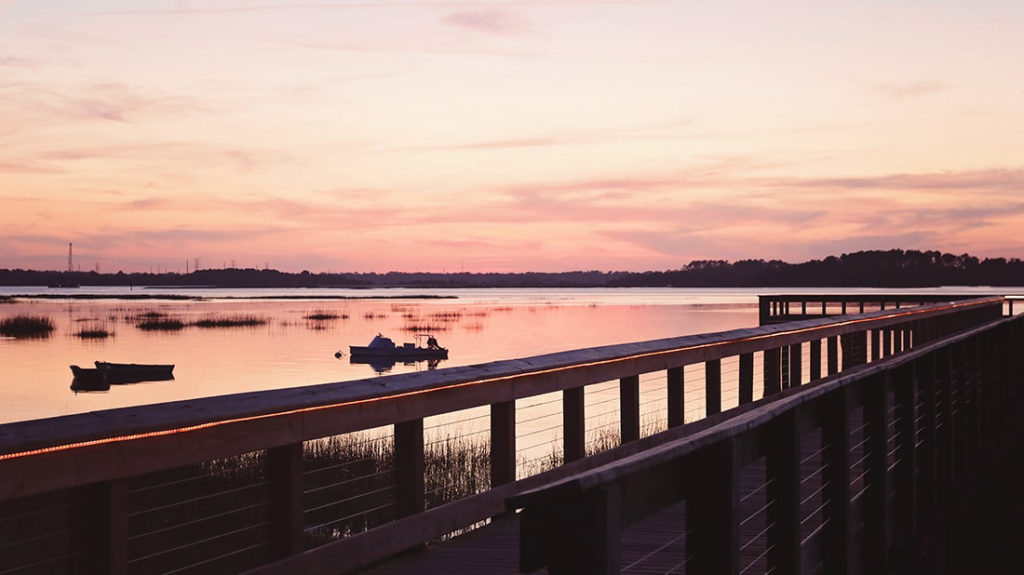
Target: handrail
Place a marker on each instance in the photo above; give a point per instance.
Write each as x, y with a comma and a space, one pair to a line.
589, 508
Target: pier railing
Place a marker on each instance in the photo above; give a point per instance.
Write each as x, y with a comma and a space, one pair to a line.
793, 307
868, 472
331, 477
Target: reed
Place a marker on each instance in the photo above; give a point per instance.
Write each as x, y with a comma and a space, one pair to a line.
26, 326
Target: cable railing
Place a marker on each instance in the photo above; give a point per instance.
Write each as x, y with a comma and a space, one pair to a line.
869, 471
424, 455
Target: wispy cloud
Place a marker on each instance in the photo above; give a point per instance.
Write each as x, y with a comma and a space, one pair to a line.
908, 90
497, 22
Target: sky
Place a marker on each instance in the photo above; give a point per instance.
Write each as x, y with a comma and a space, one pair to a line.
505, 136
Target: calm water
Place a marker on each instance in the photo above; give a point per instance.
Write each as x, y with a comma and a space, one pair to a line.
289, 350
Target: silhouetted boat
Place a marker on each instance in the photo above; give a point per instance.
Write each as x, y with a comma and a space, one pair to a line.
132, 372
88, 379
383, 348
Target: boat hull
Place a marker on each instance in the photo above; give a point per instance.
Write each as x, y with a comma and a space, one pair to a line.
396, 353
134, 372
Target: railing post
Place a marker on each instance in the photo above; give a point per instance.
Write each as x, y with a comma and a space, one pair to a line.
784, 367
503, 442
772, 371
764, 310
573, 424
796, 361
676, 397
835, 439
712, 510
877, 515
746, 378
833, 355
854, 349
102, 528
284, 476
815, 366
927, 464
905, 504
783, 490
713, 386
409, 468
574, 535
629, 408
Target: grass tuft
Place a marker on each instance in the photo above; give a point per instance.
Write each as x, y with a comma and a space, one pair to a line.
161, 325
26, 326
231, 321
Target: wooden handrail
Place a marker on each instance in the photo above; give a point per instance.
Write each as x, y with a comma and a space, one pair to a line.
593, 501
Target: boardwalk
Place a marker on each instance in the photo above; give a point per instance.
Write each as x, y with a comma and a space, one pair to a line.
848, 439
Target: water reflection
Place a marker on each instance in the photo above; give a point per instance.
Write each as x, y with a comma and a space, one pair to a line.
384, 365
227, 346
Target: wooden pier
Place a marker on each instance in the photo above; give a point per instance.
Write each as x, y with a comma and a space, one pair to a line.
837, 444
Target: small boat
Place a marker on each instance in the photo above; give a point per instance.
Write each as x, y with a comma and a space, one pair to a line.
88, 379
133, 372
384, 348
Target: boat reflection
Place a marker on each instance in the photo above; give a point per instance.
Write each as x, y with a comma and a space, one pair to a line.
384, 364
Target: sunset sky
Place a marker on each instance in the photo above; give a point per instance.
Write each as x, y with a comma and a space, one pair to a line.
505, 135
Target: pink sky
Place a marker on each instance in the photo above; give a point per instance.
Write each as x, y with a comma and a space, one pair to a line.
505, 136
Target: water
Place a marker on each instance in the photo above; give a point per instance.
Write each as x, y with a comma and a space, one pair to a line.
289, 350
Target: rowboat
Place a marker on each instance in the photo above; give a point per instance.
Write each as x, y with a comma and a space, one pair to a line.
115, 373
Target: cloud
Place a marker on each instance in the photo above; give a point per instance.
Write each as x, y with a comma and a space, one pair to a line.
496, 22
908, 90
667, 130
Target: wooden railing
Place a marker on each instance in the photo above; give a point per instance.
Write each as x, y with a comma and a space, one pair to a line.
868, 472
792, 307
222, 484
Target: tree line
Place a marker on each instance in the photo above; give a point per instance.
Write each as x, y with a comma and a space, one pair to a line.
876, 268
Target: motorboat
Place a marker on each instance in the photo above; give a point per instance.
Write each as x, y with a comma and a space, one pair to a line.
385, 348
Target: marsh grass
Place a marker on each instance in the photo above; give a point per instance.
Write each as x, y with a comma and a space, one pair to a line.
26, 326
324, 316
6, 299
166, 324
230, 321
94, 333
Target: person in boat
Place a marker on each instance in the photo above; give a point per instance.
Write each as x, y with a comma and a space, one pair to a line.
432, 342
